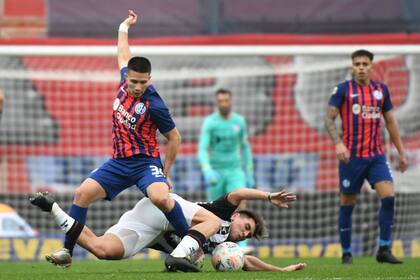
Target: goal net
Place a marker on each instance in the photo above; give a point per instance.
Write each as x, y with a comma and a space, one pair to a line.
56, 127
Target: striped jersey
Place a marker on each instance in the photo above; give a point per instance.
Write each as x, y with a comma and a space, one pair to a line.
361, 109
135, 121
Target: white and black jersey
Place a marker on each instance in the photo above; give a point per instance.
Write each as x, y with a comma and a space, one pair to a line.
223, 209
145, 226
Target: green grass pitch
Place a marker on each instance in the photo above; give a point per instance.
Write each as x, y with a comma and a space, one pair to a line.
318, 268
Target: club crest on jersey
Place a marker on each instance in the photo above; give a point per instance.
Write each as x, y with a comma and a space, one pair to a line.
356, 109
334, 91
377, 94
116, 104
140, 108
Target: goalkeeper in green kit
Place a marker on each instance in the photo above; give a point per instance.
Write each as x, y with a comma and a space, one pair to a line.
224, 152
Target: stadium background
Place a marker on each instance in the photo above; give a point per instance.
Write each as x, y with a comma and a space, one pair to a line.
55, 126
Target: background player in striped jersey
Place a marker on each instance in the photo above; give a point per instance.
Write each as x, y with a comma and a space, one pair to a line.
224, 152
138, 111
361, 102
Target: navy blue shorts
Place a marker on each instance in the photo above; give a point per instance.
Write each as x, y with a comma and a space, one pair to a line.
116, 175
352, 175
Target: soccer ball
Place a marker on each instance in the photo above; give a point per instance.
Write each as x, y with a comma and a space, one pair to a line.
227, 256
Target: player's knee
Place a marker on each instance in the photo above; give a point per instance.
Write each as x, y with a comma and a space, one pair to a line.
99, 251
214, 222
81, 197
163, 203
217, 223
102, 252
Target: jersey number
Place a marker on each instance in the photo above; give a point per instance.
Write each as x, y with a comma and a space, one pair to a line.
156, 171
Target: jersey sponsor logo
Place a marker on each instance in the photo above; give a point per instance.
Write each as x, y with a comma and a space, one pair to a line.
371, 112
156, 171
377, 94
346, 183
140, 108
356, 109
125, 118
224, 229
116, 104
353, 95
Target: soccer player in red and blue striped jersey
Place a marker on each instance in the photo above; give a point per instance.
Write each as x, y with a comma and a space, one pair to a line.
138, 111
361, 103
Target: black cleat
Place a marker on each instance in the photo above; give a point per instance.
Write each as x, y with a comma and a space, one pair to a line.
179, 264
385, 256
347, 258
42, 200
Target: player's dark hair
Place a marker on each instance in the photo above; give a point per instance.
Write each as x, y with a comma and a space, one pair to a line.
223, 91
140, 64
260, 229
362, 52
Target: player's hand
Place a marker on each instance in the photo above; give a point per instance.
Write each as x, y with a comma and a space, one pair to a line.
131, 19
294, 267
169, 182
342, 153
211, 177
403, 162
282, 199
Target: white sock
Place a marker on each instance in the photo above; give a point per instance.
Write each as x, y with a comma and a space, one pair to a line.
63, 220
186, 247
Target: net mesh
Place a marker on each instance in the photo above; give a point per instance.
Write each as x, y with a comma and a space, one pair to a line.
56, 128
311, 220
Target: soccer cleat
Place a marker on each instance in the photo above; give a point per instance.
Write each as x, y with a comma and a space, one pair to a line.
385, 256
42, 200
60, 258
179, 264
347, 258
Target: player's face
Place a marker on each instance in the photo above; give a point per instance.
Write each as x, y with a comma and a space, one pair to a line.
242, 227
224, 103
362, 68
137, 82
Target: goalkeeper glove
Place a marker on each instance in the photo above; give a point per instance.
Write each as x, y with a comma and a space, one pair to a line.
211, 177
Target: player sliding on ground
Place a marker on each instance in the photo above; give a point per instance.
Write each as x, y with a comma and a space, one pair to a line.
145, 226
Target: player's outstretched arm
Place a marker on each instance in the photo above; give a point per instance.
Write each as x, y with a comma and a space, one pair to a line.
123, 48
252, 263
280, 199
